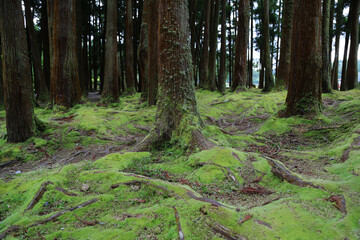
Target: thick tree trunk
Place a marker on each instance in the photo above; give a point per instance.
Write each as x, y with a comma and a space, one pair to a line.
285, 48
20, 119
211, 80
222, 72
242, 39
352, 69
304, 91
110, 91
129, 50
153, 52
205, 54
143, 53
177, 116
326, 58
269, 80
344, 85
65, 85
39, 77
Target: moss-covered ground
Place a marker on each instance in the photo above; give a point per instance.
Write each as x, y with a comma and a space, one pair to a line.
101, 190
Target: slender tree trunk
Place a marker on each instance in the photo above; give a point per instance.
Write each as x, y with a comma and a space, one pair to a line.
143, 53
285, 48
242, 38
269, 80
110, 91
326, 61
278, 42
331, 27
304, 91
153, 51
211, 80
192, 22
39, 77
352, 69
64, 85
102, 28
95, 48
222, 72
230, 53
20, 118
344, 85
45, 42
206, 43
177, 112
251, 70
129, 50
1, 76
79, 55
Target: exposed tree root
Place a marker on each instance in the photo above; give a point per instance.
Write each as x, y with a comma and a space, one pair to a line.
181, 233
38, 195
246, 218
205, 199
66, 192
87, 223
9, 230
225, 232
226, 101
340, 203
280, 170
229, 175
257, 190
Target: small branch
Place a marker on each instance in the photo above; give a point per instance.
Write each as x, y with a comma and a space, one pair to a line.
246, 218
38, 195
181, 233
205, 199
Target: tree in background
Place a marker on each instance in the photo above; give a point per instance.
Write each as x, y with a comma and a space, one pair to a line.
177, 116
304, 91
1, 76
20, 119
211, 79
204, 67
111, 85
269, 80
129, 52
222, 71
352, 68
285, 48
64, 83
326, 56
242, 39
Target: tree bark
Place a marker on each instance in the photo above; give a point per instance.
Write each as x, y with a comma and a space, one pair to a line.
285, 48
79, 55
39, 77
45, 41
18, 92
1, 76
153, 52
269, 80
304, 91
211, 80
344, 85
129, 51
65, 85
352, 69
110, 91
326, 61
205, 54
222, 73
143, 53
242, 39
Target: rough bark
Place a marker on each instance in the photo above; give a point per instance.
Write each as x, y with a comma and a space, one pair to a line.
110, 91
269, 80
211, 80
242, 39
304, 91
192, 22
326, 61
39, 77
153, 56
206, 43
352, 68
64, 85
1, 77
177, 116
129, 51
18, 92
143, 54
285, 48
222, 72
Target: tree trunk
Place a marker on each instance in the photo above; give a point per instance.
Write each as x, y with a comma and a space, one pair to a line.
352, 69
285, 48
45, 42
110, 91
129, 50
192, 22
304, 91
269, 80
79, 55
278, 42
262, 69
153, 52
251, 69
177, 117
205, 54
143, 53
222, 72
242, 39
339, 22
20, 119
39, 77
1, 76
344, 86
211, 80
65, 85
326, 61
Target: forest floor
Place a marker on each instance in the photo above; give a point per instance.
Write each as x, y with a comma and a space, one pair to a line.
267, 177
